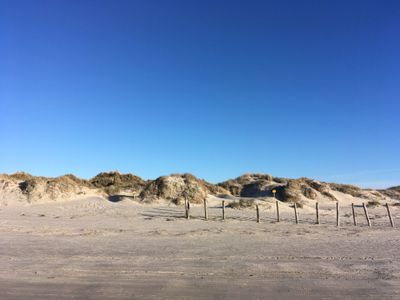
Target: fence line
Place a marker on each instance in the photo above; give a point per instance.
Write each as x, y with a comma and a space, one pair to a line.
296, 213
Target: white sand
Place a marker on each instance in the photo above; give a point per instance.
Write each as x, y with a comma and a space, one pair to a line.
96, 249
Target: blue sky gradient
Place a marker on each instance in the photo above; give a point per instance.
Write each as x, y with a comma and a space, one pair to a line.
214, 88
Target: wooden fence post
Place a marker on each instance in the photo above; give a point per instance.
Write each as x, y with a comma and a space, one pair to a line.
295, 213
389, 214
366, 215
337, 214
354, 214
278, 218
223, 210
258, 214
186, 213
317, 212
188, 210
205, 210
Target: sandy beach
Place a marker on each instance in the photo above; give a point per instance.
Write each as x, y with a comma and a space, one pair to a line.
96, 249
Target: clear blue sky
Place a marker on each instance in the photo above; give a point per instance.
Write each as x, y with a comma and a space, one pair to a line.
215, 88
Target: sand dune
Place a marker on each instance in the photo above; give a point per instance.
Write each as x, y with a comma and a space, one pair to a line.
22, 188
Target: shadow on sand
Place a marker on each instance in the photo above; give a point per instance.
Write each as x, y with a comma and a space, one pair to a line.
164, 213
118, 198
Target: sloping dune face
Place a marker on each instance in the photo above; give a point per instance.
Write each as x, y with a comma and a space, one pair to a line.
393, 192
22, 188
178, 187
296, 190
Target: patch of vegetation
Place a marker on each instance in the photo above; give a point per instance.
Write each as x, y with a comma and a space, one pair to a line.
241, 204
113, 182
280, 180
309, 192
373, 203
27, 186
298, 204
235, 186
329, 195
395, 188
352, 190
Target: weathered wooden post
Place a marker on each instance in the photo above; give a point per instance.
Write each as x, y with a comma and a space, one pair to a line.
223, 210
337, 214
366, 215
354, 214
258, 214
188, 210
295, 213
205, 209
278, 218
390, 215
317, 212
185, 207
